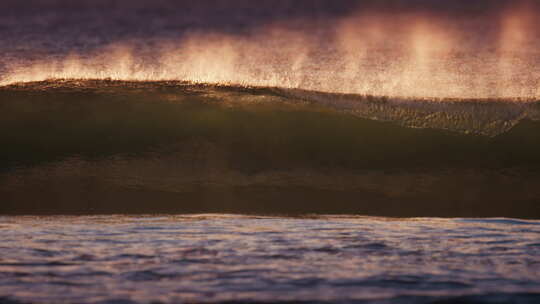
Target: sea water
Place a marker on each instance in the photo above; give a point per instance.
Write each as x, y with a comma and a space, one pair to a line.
288, 109
234, 258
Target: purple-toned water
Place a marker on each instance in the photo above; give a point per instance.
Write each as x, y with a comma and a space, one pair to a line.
221, 258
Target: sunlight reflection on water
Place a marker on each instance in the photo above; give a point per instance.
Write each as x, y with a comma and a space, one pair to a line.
215, 258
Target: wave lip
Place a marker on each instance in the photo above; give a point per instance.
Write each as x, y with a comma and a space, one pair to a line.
488, 117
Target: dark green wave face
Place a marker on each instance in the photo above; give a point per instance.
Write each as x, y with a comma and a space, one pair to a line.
133, 147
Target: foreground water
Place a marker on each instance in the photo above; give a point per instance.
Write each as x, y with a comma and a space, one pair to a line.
219, 258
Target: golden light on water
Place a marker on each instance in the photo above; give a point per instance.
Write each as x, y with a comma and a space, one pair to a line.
406, 55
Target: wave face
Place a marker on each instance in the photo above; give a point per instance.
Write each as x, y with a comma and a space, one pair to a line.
99, 146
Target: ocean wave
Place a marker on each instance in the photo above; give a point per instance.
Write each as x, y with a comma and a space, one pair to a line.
122, 144
485, 116
47, 121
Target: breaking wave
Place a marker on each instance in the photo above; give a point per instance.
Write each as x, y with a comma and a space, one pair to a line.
120, 146
484, 116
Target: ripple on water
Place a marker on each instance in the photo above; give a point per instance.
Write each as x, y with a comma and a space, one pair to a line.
215, 258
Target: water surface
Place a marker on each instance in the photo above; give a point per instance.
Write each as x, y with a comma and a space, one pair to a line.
220, 258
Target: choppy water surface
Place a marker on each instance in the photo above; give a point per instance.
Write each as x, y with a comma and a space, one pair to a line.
217, 258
